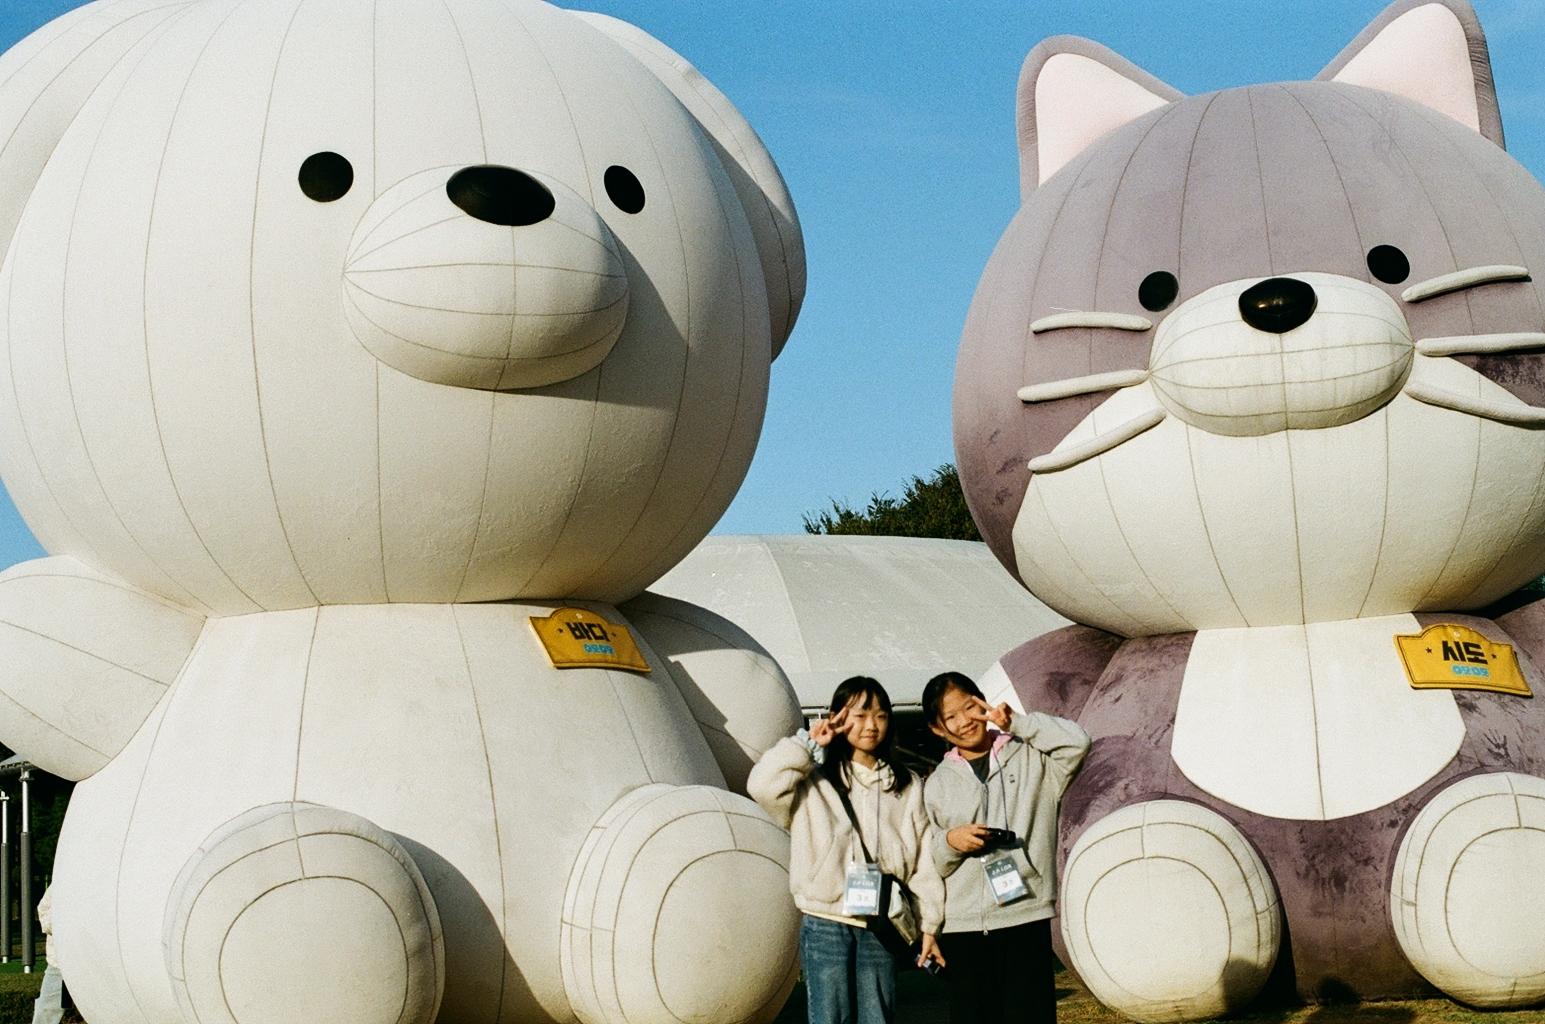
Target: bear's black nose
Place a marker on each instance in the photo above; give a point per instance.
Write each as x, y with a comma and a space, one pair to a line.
1277, 304
500, 195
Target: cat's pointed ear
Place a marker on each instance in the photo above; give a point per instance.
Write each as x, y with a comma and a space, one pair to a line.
1430, 51
1071, 92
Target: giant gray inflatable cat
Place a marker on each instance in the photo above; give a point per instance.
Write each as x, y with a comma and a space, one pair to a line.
1253, 389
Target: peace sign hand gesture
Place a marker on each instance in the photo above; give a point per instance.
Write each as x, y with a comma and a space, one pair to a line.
1001, 716
827, 729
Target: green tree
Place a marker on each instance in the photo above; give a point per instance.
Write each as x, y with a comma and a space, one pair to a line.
935, 507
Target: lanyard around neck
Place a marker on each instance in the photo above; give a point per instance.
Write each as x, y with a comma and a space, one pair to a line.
858, 830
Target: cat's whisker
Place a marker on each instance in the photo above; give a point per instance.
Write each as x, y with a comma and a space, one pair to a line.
1114, 321
1469, 278
1062, 458
1480, 344
1087, 385
1514, 413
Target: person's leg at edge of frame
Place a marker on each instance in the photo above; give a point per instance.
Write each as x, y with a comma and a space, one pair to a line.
1040, 977
1023, 952
874, 980
970, 978
826, 950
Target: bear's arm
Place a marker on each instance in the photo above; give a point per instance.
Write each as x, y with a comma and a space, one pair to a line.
84, 658
1054, 673
739, 697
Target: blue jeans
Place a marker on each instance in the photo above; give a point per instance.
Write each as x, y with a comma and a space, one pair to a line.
849, 977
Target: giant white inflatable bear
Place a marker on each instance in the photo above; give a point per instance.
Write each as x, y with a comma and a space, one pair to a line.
339, 341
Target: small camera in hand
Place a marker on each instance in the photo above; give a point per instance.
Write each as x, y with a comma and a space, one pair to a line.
1000, 838
932, 966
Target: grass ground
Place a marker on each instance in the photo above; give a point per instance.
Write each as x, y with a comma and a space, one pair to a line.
921, 1000
15, 967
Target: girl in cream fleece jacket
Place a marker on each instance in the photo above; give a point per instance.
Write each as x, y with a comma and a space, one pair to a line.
848, 974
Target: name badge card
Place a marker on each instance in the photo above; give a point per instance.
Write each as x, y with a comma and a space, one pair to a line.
861, 896
1003, 876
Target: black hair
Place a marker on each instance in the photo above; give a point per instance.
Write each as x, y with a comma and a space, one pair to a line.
939, 685
839, 752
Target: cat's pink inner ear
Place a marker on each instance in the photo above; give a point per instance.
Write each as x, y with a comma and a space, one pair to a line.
1074, 100
1427, 55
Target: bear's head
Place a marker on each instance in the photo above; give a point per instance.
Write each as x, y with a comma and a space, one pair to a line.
1266, 356
361, 301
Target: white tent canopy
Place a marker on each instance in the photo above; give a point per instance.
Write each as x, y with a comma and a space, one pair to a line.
901, 609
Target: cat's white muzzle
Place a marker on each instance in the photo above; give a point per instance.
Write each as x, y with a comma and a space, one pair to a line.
1214, 371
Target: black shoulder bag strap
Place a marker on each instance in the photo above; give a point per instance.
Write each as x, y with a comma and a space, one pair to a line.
847, 806
880, 924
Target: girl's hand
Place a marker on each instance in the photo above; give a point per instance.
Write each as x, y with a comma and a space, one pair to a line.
827, 729
1001, 716
967, 838
930, 951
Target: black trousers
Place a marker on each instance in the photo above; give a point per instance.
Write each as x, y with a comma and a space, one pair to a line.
1002, 976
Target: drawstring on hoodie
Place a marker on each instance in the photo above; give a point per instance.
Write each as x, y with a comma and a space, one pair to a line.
879, 836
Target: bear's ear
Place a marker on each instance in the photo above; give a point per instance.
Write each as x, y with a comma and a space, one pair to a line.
1430, 51
774, 224
47, 78
1071, 92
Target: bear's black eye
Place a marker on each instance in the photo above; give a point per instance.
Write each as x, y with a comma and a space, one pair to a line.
1158, 290
623, 188
326, 177
1388, 264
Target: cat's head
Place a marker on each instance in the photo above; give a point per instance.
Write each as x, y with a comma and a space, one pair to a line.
1268, 355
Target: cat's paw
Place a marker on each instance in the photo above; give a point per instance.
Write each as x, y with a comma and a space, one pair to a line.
1168, 913
1467, 897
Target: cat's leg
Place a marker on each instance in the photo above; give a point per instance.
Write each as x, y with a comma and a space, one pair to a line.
1467, 897
678, 909
296, 911
1168, 913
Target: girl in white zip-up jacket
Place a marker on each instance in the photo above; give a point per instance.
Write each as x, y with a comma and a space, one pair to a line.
848, 974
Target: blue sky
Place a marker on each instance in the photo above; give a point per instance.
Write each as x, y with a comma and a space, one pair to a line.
894, 125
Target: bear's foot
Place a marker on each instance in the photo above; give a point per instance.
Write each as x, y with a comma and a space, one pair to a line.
677, 909
298, 912
1168, 913
1468, 896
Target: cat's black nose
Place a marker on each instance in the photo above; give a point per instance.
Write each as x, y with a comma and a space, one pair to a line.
1277, 304
500, 195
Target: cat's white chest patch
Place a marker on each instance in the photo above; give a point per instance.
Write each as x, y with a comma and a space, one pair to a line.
1311, 722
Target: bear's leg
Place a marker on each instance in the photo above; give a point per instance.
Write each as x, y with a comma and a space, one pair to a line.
1168, 913
1467, 897
295, 911
677, 909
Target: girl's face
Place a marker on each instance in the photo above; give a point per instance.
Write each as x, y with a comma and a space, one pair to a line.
866, 723
960, 720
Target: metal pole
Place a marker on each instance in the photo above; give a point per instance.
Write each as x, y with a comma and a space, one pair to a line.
28, 947
5, 877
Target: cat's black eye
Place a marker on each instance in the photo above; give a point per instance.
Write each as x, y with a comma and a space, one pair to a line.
1158, 290
624, 190
1388, 264
326, 177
